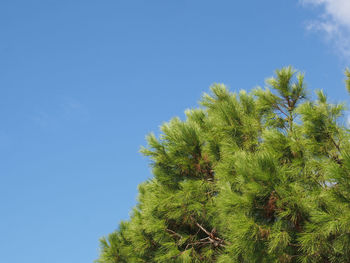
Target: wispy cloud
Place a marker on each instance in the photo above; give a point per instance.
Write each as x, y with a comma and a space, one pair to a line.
334, 22
73, 109
68, 110
42, 119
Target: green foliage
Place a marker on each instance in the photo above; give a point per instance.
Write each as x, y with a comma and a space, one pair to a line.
347, 81
250, 177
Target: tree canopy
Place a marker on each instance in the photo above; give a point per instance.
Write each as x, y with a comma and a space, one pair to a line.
260, 176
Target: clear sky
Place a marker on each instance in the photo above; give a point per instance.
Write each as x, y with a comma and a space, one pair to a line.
83, 82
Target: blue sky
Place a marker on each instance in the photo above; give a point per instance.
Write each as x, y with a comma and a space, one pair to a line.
83, 82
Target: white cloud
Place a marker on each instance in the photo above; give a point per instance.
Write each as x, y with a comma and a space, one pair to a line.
73, 109
42, 118
68, 110
334, 21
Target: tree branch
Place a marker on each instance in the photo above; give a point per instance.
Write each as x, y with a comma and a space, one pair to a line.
173, 233
211, 235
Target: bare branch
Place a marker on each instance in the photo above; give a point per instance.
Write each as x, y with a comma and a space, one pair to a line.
173, 233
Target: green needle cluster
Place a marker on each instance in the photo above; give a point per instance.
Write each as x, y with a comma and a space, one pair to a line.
260, 176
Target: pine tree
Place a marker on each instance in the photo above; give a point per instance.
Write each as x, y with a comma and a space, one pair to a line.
252, 177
